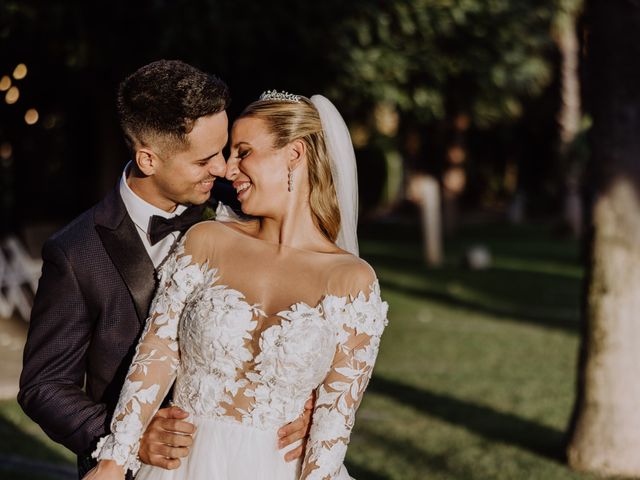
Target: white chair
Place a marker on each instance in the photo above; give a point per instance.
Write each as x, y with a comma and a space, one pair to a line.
18, 272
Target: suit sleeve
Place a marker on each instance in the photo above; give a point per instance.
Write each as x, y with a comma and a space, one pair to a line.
54, 364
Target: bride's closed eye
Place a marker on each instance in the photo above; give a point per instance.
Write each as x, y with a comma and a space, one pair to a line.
243, 153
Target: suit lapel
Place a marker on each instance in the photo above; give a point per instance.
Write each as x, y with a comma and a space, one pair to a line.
126, 250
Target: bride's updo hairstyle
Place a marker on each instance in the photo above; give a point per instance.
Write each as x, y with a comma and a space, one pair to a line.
288, 121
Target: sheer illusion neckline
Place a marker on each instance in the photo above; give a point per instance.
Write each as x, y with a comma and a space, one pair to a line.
228, 226
294, 307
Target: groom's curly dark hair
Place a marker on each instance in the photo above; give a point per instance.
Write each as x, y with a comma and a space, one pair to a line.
161, 101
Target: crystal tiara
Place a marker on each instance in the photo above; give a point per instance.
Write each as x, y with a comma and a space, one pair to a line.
279, 96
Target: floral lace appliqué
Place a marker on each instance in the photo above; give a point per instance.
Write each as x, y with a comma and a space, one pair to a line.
204, 335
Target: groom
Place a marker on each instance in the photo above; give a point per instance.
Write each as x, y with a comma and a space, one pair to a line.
98, 276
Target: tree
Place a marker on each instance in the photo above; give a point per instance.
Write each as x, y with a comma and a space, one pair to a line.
605, 428
566, 37
565, 32
437, 59
444, 69
449, 68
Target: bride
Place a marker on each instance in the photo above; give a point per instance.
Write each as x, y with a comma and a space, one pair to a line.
251, 317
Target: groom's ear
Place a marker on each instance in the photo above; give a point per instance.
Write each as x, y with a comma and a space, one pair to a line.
297, 152
147, 160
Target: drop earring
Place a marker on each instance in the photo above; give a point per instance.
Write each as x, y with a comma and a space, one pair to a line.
290, 181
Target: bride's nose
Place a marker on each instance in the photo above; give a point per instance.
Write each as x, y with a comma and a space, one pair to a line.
232, 167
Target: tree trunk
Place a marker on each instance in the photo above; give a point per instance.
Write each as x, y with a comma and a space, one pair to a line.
605, 428
570, 114
570, 109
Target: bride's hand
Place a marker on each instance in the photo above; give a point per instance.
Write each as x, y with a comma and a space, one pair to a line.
105, 470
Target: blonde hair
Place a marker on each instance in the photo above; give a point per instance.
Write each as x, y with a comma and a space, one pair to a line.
289, 121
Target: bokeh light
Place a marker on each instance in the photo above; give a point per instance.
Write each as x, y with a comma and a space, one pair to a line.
456, 155
386, 118
6, 150
455, 180
20, 71
32, 116
359, 135
12, 95
5, 83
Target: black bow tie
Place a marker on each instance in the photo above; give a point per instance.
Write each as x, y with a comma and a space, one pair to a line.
160, 227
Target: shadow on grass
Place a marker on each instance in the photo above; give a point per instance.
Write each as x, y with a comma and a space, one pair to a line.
528, 241
484, 421
363, 473
523, 289
565, 318
23, 456
539, 298
420, 461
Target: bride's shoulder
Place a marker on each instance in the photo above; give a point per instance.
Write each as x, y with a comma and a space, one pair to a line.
202, 231
205, 238
351, 275
211, 229
246, 227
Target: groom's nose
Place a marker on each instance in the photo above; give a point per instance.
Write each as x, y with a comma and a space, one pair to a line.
218, 167
232, 167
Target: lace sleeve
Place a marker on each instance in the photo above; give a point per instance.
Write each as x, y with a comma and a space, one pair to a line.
360, 323
156, 360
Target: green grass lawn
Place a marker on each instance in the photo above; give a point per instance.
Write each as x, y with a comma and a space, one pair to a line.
475, 378
22, 439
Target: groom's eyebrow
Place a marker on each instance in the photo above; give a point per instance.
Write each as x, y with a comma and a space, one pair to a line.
213, 154
207, 158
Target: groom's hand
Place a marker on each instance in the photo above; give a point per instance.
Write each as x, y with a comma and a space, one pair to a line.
297, 430
167, 439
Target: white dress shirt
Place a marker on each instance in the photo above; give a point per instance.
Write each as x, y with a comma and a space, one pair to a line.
141, 212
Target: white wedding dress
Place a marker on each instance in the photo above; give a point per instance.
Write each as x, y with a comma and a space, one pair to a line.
248, 329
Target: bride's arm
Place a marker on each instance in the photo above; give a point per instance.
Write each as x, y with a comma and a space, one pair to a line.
154, 365
360, 323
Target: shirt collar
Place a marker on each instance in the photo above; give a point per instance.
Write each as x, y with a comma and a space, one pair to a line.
140, 210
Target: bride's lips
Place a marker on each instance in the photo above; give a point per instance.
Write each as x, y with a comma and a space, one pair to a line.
242, 188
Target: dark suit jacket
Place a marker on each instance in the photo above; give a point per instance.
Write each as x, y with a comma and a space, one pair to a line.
92, 300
